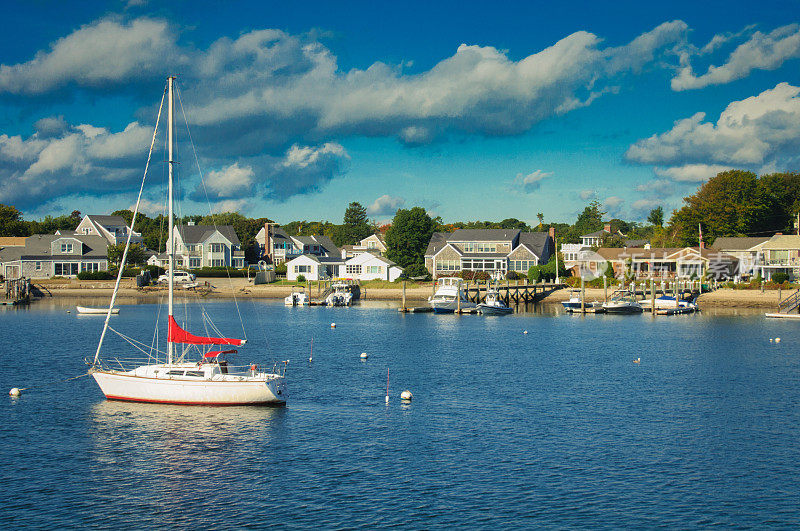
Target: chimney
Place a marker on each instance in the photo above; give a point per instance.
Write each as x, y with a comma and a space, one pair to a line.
553, 233
702, 244
607, 228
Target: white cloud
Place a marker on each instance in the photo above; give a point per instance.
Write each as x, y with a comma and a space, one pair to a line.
645, 205
106, 51
232, 181
531, 182
150, 207
585, 195
385, 205
613, 206
760, 52
306, 169
691, 172
760, 131
231, 205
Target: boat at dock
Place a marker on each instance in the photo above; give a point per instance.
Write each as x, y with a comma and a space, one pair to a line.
449, 296
340, 295
492, 305
622, 301
573, 304
83, 310
666, 302
297, 298
192, 370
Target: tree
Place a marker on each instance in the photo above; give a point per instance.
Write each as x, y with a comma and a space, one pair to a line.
540, 217
590, 220
135, 254
356, 225
408, 237
11, 223
656, 217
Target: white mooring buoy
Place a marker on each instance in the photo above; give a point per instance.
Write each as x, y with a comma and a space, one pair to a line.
364, 355
525, 332
406, 395
777, 340
771, 340
14, 391
333, 325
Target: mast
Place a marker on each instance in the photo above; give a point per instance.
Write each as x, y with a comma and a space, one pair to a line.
171, 250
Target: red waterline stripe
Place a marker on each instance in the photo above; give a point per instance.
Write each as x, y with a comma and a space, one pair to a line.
174, 402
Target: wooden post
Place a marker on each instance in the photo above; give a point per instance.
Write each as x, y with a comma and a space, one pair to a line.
677, 304
404, 295
583, 296
653, 297
458, 301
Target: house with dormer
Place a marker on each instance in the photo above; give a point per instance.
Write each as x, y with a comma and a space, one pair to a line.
199, 246
59, 255
113, 228
496, 251
277, 246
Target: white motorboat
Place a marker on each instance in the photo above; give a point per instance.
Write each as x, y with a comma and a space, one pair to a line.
83, 310
573, 304
340, 295
492, 305
449, 296
297, 298
171, 377
666, 302
622, 301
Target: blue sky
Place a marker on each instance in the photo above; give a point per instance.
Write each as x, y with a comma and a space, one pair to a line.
474, 111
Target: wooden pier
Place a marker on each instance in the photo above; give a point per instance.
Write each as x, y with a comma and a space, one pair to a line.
512, 294
16, 292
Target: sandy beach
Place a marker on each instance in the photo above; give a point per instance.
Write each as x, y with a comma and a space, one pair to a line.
240, 287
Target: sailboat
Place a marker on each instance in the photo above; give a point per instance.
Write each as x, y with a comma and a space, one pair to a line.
209, 380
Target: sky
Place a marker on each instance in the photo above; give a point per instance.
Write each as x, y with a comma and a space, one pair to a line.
472, 110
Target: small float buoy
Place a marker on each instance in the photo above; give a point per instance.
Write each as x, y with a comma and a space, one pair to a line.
771, 340
406, 395
14, 391
69, 311
525, 332
637, 360
364, 355
777, 340
310, 358
333, 325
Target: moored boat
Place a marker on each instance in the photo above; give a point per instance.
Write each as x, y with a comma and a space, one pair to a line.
95, 311
449, 296
492, 305
622, 301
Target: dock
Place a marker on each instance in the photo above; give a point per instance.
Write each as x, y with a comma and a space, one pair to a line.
16, 292
416, 309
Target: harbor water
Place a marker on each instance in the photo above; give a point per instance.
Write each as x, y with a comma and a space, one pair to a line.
554, 428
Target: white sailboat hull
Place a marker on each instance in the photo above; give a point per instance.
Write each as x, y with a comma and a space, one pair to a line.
95, 311
119, 386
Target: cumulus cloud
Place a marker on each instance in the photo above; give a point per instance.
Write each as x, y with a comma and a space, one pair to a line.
645, 205
306, 169
385, 205
756, 132
613, 206
585, 195
104, 52
696, 173
760, 52
233, 181
531, 182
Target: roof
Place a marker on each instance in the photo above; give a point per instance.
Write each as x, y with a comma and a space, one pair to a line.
483, 235
37, 247
635, 243
783, 242
657, 253
12, 241
113, 221
200, 233
726, 243
535, 241
484, 255
438, 240
596, 234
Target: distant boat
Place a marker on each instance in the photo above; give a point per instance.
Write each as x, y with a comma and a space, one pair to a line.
666, 302
297, 298
340, 295
574, 302
492, 305
96, 311
448, 293
622, 301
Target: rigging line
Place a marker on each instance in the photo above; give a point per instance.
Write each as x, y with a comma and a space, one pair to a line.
130, 339
213, 219
130, 231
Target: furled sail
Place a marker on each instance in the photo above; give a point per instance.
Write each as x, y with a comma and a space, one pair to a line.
176, 334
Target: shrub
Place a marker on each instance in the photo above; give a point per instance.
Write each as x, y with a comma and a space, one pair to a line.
94, 275
513, 275
301, 278
780, 277
280, 269
155, 271
417, 271
534, 274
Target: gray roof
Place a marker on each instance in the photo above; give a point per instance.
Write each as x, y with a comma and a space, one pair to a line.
322, 241
37, 247
635, 243
726, 243
438, 240
483, 235
535, 241
113, 221
199, 233
596, 234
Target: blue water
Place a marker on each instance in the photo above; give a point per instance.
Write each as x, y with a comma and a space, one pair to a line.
554, 428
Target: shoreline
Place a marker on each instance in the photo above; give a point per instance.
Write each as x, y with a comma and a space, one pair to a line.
223, 288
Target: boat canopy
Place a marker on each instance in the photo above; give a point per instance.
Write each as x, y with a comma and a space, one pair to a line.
176, 334
215, 353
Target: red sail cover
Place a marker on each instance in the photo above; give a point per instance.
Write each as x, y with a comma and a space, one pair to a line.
176, 334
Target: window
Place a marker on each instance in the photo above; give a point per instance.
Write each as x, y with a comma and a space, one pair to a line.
90, 266
179, 262
38, 266
522, 265
470, 247
447, 265
194, 262
371, 245
217, 248
302, 269
238, 262
199, 374
66, 248
374, 270
218, 263
65, 268
87, 231
175, 373
353, 269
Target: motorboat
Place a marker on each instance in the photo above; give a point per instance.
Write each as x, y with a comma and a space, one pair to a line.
622, 301
573, 304
666, 302
297, 298
449, 296
340, 295
83, 310
492, 305
173, 375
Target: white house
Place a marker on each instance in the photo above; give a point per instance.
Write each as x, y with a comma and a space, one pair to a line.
274, 243
367, 266
313, 267
203, 246
113, 228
